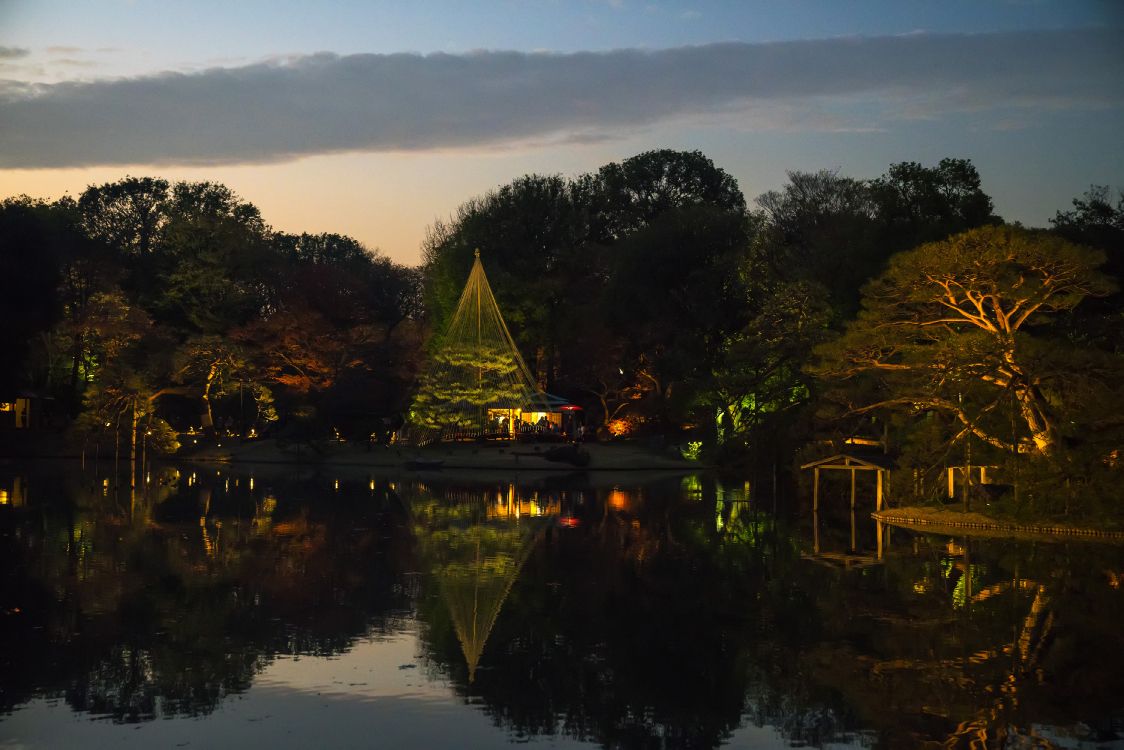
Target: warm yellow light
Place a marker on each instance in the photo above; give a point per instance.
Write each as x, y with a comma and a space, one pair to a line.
4, 500
371, 484
6, 406
336, 484
619, 427
618, 500
251, 484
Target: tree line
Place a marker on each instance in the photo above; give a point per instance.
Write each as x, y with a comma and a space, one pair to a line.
649, 292
900, 309
147, 308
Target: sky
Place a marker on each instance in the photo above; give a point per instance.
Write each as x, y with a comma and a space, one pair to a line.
374, 119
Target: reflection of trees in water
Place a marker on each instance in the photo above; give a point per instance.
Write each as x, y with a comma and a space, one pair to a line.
952, 643
663, 623
166, 604
628, 617
608, 634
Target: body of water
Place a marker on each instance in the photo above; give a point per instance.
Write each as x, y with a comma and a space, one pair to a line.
293, 607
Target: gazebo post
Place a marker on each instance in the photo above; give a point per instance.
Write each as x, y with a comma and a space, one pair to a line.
816, 489
853, 490
816, 532
878, 496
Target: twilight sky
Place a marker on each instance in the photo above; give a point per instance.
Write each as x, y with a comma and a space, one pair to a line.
373, 119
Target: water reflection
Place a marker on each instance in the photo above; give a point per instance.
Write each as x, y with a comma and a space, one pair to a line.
677, 613
474, 542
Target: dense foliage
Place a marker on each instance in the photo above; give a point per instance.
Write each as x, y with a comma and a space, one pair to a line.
648, 292
146, 306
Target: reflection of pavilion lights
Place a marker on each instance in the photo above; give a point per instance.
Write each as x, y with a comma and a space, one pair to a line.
618, 500
226, 485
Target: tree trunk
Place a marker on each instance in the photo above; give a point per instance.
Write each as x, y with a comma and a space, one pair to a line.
1031, 407
211, 375
134, 421
1041, 431
76, 355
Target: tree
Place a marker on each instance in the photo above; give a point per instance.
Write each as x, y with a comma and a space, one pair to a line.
533, 236
630, 195
36, 239
1095, 221
677, 292
760, 377
552, 245
820, 229
211, 263
947, 328
127, 215
917, 204
463, 380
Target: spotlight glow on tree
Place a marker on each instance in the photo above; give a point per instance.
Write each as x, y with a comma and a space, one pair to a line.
475, 368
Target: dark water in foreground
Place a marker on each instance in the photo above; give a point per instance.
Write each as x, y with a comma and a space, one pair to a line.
290, 608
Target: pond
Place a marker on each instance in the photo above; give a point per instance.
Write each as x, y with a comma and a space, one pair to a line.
290, 607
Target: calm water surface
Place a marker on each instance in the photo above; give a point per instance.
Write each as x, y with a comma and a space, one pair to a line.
294, 608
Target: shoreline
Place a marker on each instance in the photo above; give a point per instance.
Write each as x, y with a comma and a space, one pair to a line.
616, 457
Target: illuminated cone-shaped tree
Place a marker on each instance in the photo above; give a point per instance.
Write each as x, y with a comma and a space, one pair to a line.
475, 367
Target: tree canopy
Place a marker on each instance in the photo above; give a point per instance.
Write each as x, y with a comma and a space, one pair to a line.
948, 327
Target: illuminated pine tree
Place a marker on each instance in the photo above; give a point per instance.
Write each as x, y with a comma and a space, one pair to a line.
476, 366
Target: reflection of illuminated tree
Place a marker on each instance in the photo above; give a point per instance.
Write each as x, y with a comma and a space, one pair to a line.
475, 560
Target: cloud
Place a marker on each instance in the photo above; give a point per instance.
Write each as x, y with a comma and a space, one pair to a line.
324, 103
12, 53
